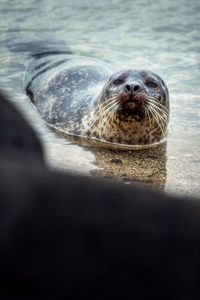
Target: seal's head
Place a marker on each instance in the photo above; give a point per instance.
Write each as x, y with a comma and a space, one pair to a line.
135, 106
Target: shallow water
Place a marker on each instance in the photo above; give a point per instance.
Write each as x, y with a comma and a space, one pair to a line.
163, 36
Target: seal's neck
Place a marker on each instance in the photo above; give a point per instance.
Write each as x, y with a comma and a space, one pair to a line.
127, 132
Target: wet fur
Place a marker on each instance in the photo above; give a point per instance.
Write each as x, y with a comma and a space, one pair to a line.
72, 93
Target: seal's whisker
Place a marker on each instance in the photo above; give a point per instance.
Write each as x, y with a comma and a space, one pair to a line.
103, 112
159, 117
104, 121
158, 124
108, 117
152, 100
159, 110
145, 114
110, 99
101, 115
164, 109
110, 111
113, 113
154, 114
160, 107
106, 108
163, 117
162, 125
102, 109
148, 115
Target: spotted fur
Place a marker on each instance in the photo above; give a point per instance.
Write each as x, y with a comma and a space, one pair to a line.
77, 95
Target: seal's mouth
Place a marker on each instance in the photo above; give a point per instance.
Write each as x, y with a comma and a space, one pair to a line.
133, 103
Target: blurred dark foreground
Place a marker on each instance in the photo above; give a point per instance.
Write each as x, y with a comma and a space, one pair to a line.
62, 235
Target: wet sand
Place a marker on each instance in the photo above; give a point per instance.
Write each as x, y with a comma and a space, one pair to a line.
170, 167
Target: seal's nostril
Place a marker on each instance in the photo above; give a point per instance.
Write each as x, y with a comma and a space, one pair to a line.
136, 87
128, 88
132, 87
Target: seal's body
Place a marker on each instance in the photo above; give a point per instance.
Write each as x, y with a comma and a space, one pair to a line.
87, 97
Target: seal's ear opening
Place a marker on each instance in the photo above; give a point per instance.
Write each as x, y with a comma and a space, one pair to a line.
15, 132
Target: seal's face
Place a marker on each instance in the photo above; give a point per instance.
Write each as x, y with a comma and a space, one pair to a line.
137, 102
136, 93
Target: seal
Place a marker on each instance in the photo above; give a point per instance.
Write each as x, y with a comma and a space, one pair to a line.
86, 97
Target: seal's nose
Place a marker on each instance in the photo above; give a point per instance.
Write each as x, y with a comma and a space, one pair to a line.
133, 87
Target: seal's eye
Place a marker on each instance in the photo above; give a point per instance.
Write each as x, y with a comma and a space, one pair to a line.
117, 82
151, 84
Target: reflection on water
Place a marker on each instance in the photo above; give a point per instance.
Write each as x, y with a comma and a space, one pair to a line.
162, 36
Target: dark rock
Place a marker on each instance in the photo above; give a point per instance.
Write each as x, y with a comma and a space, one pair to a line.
116, 161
